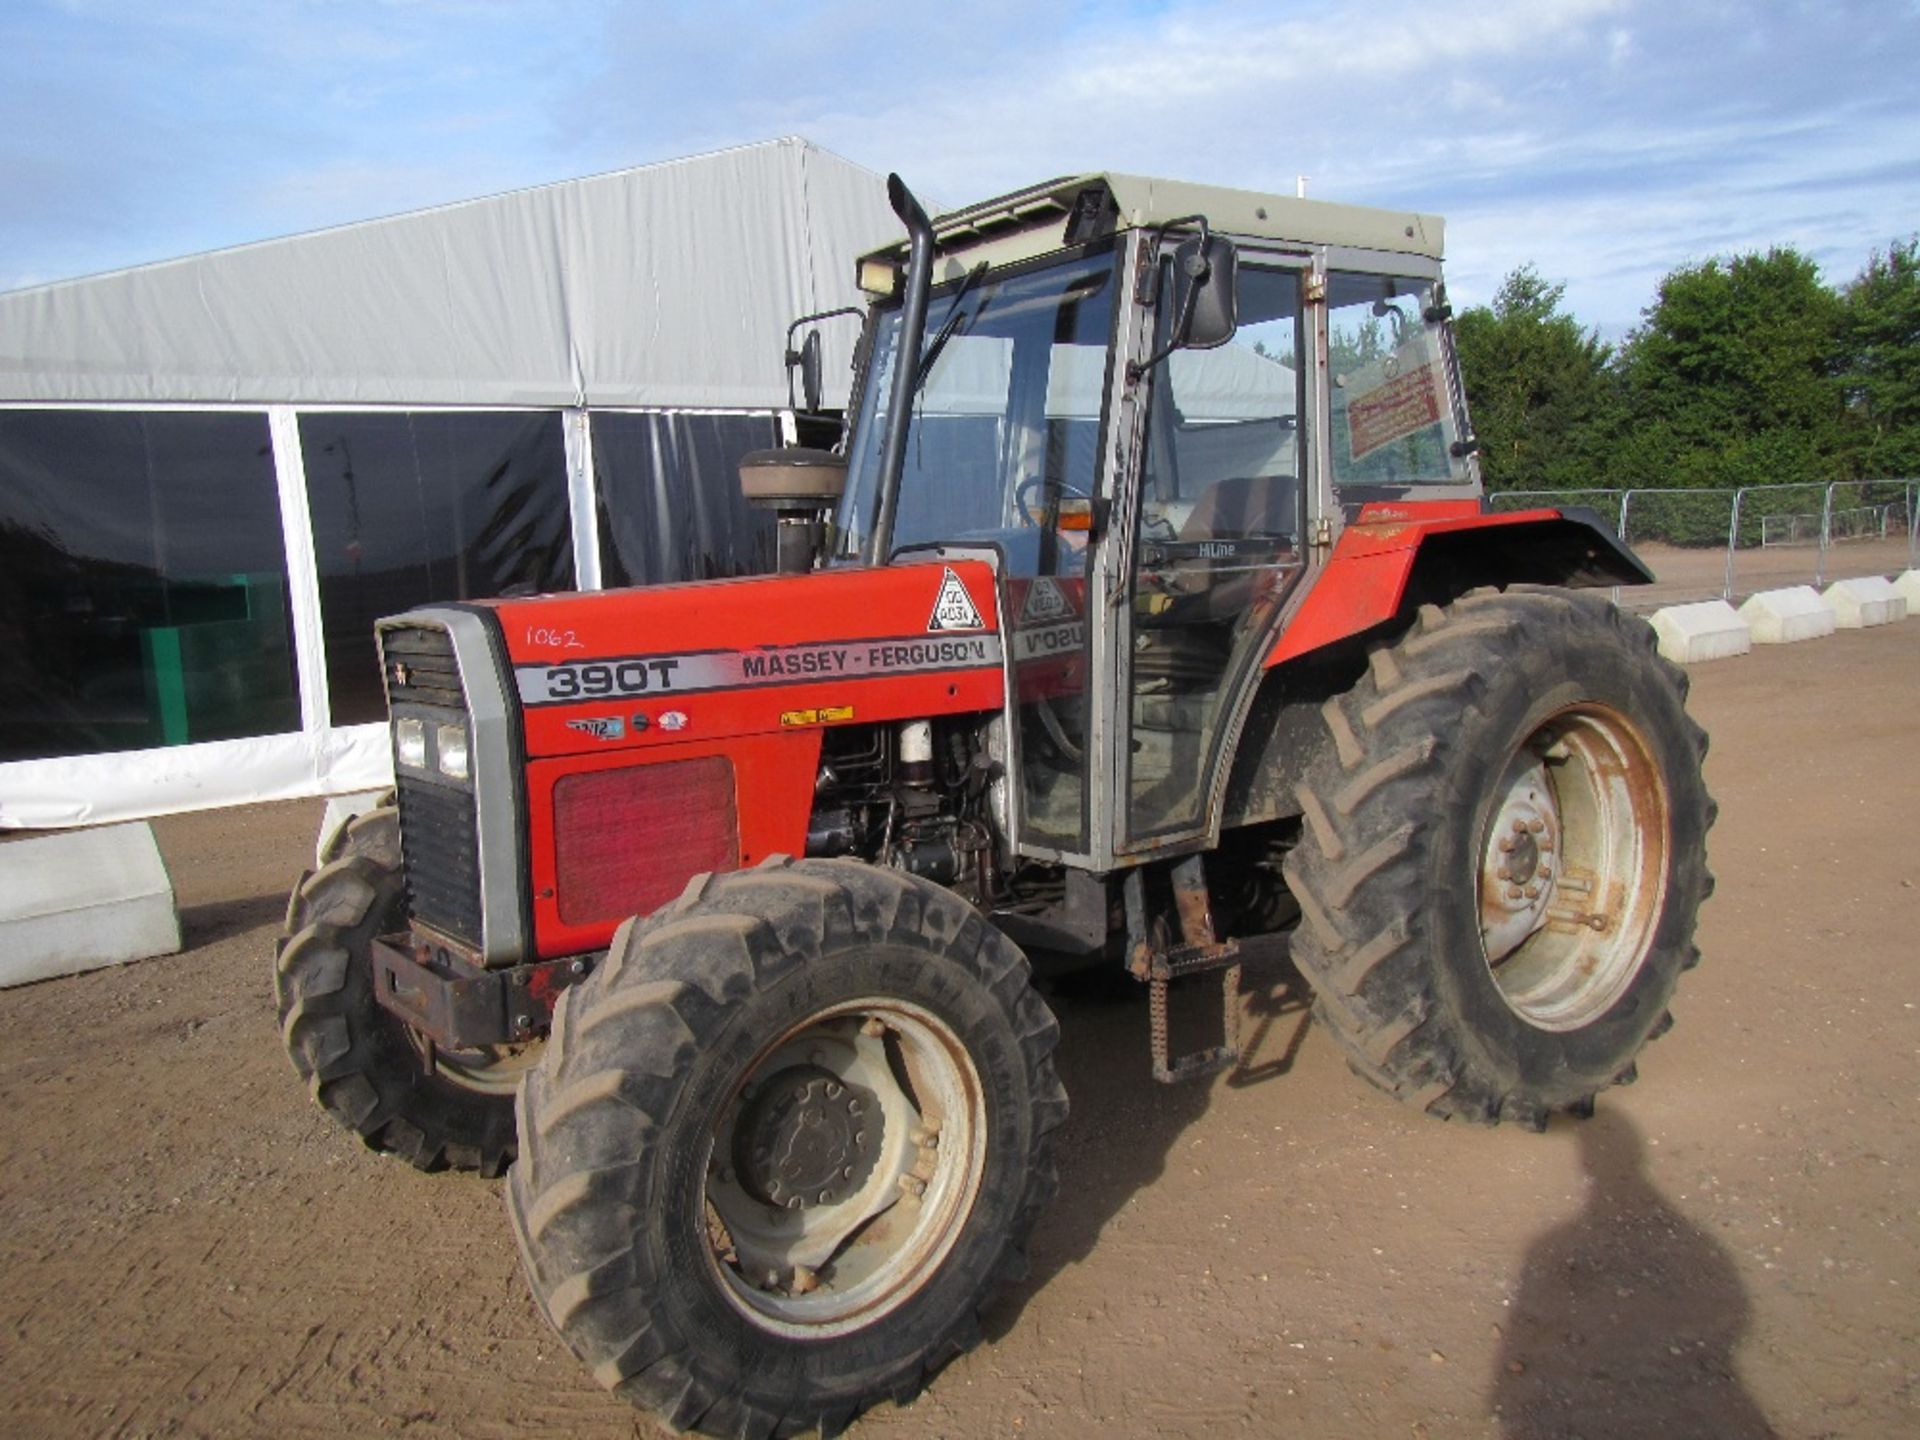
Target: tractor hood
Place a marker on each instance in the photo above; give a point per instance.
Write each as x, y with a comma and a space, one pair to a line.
633, 669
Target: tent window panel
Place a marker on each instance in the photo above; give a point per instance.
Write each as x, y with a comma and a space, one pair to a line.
670, 503
412, 508
143, 582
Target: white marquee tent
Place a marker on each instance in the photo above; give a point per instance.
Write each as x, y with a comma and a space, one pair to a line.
215, 471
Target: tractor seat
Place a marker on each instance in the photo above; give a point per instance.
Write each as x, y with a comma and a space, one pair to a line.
1245, 505
1184, 627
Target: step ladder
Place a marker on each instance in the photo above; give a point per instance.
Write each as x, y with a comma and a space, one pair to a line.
1157, 960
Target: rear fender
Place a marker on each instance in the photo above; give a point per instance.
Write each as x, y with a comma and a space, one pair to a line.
1396, 555
1391, 559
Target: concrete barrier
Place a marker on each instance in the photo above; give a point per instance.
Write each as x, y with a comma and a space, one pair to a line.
83, 899
1908, 586
1709, 630
1780, 617
1860, 603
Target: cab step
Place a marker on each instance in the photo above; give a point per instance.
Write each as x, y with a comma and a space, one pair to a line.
1153, 959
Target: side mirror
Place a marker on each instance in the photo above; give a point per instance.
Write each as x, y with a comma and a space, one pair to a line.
1206, 271
804, 360
809, 368
1206, 306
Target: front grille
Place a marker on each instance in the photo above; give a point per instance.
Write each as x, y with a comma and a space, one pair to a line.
420, 668
439, 831
442, 851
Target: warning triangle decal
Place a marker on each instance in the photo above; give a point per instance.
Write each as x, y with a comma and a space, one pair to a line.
954, 608
1044, 603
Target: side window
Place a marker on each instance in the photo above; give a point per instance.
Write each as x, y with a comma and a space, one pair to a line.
1390, 399
1224, 454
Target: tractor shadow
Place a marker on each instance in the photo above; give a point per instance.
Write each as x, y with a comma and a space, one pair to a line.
213, 921
1627, 1317
1124, 1124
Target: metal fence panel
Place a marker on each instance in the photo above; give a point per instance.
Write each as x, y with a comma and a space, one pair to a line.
1703, 544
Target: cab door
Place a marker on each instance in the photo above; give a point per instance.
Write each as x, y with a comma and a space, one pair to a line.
1219, 543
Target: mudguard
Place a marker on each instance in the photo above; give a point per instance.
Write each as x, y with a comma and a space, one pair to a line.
1366, 578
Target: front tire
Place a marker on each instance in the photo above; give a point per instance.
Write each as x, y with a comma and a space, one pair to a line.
363, 1064
1502, 855
784, 1144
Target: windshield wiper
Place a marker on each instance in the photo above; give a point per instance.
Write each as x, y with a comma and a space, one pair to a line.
949, 324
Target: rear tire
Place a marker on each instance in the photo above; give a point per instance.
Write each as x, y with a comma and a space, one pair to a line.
784, 1144
364, 1065
1502, 856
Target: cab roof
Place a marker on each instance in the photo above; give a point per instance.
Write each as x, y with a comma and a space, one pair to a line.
1082, 207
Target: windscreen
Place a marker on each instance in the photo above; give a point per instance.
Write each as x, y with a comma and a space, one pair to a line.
1006, 417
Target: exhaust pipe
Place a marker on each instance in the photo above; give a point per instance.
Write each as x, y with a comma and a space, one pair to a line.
906, 362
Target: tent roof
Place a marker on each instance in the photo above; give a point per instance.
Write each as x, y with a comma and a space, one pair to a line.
664, 285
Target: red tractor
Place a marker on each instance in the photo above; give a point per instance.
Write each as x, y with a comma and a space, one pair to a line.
1148, 604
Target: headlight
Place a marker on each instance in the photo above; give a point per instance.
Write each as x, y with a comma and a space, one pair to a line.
450, 744
410, 743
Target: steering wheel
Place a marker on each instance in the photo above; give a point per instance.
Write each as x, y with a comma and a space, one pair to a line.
1025, 493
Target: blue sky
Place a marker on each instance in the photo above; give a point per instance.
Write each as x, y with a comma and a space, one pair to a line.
1606, 141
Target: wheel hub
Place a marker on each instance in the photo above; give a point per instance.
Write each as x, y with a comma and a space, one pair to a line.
804, 1139
844, 1166
1519, 864
1573, 868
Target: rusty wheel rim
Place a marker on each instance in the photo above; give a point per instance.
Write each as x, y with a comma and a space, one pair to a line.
1573, 868
843, 1167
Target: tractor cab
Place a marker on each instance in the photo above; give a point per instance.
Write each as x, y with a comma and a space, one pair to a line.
1151, 406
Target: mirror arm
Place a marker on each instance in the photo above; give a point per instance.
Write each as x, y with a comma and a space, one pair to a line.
1147, 290
793, 356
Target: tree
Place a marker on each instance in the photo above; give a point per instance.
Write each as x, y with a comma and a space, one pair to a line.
1538, 387
1732, 379
1880, 361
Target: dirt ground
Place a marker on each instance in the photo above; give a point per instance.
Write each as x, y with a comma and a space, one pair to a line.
188, 1246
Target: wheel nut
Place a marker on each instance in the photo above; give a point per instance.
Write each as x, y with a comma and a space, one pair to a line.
860, 1138
1546, 872
793, 1202
874, 1028
1519, 827
834, 1089
825, 1196
853, 1105
1505, 872
1533, 891
1537, 826
804, 1280
913, 1185
846, 1172
1506, 844
1514, 892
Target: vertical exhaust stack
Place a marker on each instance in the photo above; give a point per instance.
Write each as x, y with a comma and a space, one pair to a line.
906, 361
